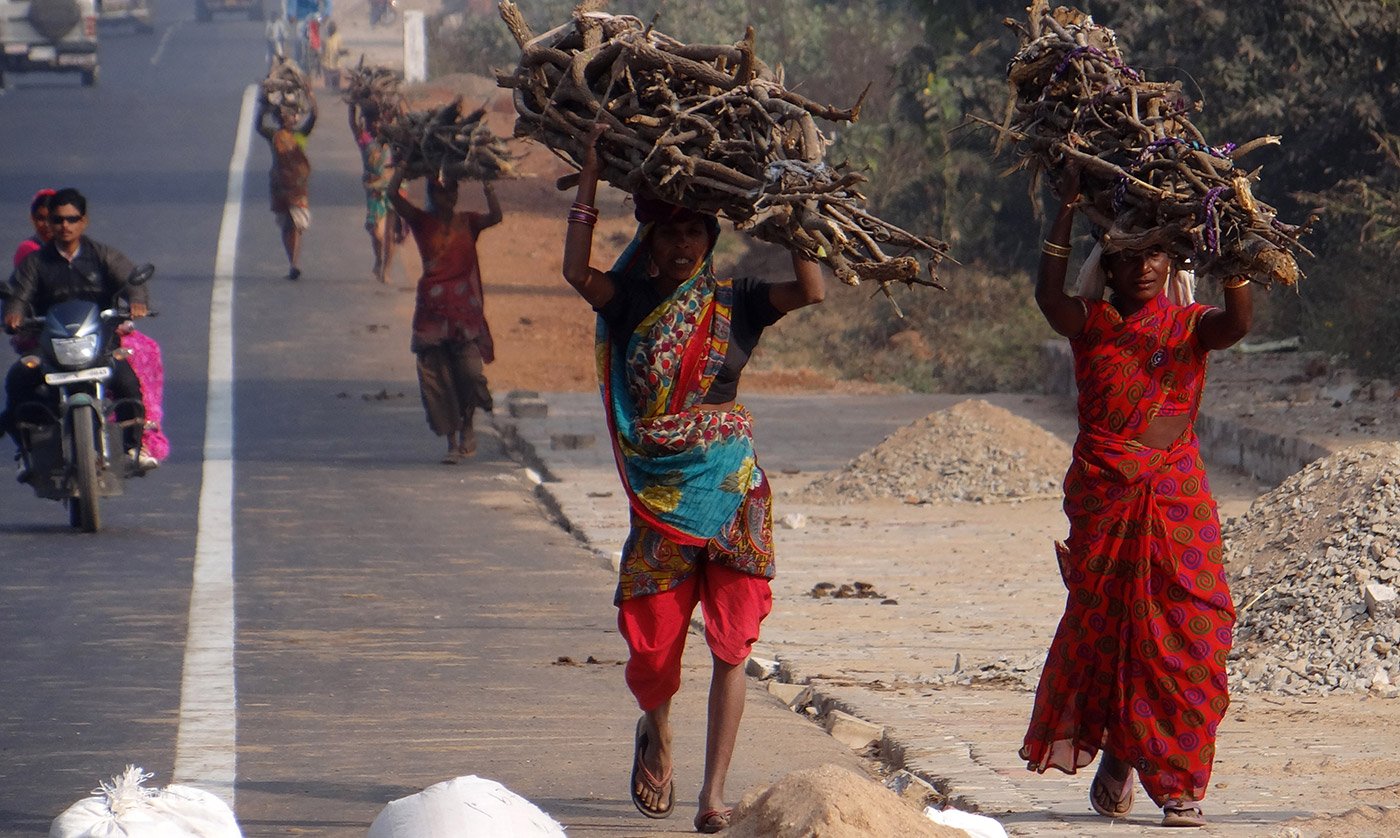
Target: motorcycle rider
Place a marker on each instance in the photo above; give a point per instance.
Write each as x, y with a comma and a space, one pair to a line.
72, 266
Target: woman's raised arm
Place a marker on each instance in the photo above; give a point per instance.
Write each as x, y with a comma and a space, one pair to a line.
808, 286
1064, 313
1222, 328
592, 284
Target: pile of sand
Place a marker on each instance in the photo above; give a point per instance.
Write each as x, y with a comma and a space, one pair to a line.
973, 451
1363, 820
830, 802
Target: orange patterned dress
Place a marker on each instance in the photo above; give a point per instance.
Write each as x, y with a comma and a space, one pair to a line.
1137, 665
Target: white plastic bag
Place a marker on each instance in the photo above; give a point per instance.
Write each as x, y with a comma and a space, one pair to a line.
126, 809
465, 807
978, 826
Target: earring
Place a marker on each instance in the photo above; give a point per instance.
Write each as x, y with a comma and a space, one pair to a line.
652, 270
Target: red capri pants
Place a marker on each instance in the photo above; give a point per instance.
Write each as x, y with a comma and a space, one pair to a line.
655, 625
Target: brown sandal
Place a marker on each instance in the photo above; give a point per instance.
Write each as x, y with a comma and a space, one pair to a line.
1186, 813
642, 778
1105, 803
715, 820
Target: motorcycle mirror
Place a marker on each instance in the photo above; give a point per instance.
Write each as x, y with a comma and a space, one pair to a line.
141, 275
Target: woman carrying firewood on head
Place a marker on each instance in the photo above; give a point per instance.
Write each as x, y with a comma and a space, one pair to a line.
1137, 666
450, 335
289, 180
376, 158
673, 339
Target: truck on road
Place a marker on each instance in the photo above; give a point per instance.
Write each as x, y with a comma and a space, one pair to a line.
49, 36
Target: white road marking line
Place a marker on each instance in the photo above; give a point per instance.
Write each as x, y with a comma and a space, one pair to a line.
206, 740
164, 39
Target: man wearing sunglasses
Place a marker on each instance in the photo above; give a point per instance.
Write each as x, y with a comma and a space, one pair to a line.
72, 266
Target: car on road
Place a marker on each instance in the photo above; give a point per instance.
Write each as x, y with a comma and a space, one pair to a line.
204, 9
49, 35
136, 12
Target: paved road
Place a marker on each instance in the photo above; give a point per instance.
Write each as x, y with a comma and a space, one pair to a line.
365, 622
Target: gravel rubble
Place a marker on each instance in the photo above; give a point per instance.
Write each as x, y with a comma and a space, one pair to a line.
973, 451
1314, 565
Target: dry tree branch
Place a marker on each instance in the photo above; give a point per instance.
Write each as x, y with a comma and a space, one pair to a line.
1148, 174
709, 127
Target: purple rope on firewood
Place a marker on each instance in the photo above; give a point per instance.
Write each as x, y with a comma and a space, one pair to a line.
1097, 53
1212, 234
1223, 152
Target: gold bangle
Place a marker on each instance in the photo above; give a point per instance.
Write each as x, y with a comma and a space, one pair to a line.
1059, 251
1234, 282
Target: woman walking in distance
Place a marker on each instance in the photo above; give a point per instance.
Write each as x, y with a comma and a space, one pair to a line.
450, 335
289, 179
1137, 666
673, 338
376, 159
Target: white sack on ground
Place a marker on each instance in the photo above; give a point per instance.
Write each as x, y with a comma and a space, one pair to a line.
126, 809
465, 807
978, 826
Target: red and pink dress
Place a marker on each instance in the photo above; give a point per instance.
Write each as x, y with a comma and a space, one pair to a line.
1137, 665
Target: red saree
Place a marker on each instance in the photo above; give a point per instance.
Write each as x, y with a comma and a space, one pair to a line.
1137, 665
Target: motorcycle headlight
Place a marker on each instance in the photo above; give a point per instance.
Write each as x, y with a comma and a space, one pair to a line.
75, 352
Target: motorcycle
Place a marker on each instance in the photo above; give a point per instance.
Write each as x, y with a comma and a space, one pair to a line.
66, 435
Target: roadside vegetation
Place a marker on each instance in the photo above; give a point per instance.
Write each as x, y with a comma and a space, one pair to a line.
1324, 76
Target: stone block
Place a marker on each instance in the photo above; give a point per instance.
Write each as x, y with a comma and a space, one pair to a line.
856, 734
793, 695
793, 521
527, 408
760, 668
1381, 600
571, 442
912, 788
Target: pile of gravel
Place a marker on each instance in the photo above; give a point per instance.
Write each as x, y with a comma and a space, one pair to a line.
973, 451
1315, 565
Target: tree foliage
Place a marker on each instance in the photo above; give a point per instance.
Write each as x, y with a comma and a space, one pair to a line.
1323, 75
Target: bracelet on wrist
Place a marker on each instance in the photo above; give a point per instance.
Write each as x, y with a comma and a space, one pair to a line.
1231, 283
1058, 251
577, 216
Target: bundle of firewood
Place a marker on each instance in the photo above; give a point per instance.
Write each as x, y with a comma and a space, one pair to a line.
1149, 178
374, 89
447, 144
709, 127
285, 87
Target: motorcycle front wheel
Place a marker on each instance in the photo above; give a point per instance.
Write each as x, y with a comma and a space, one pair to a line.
83, 510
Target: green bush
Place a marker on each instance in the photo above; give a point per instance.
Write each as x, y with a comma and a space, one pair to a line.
983, 334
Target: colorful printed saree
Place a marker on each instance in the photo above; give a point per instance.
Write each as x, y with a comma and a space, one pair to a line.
1137, 665
687, 472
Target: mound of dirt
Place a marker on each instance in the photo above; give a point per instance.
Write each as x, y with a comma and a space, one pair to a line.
1314, 565
1363, 820
831, 802
973, 451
